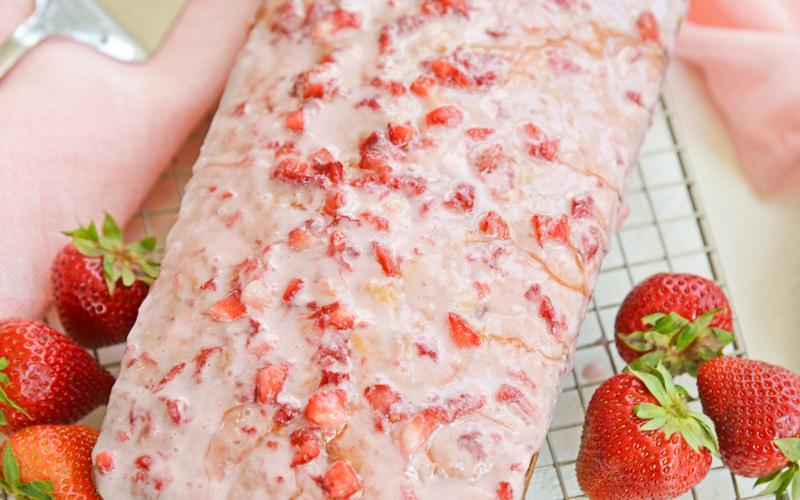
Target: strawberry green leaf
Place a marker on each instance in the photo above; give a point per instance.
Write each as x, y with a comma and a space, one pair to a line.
10, 466
649, 411
127, 275
796, 487
790, 448
35, 491
111, 230
4, 485
87, 247
92, 229
650, 359
781, 481
658, 423
145, 245
655, 387
653, 319
109, 273
766, 479
687, 336
150, 268
4, 380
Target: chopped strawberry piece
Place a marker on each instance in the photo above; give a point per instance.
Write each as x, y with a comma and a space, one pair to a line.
328, 355
144, 462
533, 131
512, 395
210, 284
304, 435
480, 134
648, 27
464, 198
381, 397
371, 103
463, 335
177, 369
634, 97
334, 202
549, 229
295, 121
400, 135
548, 150
321, 157
174, 409
285, 414
546, 310
334, 316
448, 116
465, 404
269, 382
332, 377
423, 85
333, 171
386, 39
374, 161
374, 140
327, 409
229, 308
202, 358
441, 7
339, 247
590, 244
285, 149
491, 159
341, 19
381, 223
341, 480
494, 225
582, 207
307, 452
105, 461
292, 288
504, 491
314, 91
424, 350
413, 186
300, 239
483, 289
396, 88
294, 171
416, 432
473, 443
386, 260
450, 75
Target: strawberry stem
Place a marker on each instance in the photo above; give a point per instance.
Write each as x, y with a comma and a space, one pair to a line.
780, 480
130, 263
38, 490
681, 345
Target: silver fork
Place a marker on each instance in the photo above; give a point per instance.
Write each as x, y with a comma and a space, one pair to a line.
81, 20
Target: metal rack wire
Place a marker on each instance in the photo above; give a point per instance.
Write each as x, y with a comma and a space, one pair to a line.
667, 230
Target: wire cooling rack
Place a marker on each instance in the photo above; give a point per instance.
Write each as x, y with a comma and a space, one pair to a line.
667, 230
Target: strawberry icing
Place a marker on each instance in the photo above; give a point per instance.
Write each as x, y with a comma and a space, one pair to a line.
381, 263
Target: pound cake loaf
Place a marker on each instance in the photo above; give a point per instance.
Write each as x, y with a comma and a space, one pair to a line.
379, 270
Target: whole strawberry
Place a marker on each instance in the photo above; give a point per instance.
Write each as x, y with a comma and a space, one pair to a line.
99, 284
50, 462
641, 442
755, 407
680, 320
46, 378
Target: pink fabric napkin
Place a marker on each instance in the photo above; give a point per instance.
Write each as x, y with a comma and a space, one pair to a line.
81, 133
749, 53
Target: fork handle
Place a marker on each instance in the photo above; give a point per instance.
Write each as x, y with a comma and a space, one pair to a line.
27, 34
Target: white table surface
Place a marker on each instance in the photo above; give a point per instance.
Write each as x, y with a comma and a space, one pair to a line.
758, 237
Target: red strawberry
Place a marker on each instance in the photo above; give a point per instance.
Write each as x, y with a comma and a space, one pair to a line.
99, 284
640, 441
689, 318
327, 409
341, 480
755, 407
50, 462
48, 378
464, 336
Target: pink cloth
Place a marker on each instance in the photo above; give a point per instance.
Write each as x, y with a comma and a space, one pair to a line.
81, 133
749, 53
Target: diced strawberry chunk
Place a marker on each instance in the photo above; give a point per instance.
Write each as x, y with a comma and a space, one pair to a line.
334, 202
483, 289
400, 135
269, 382
450, 75
340, 247
448, 116
341, 480
491, 159
441, 7
416, 432
374, 161
295, 121
480, 134
292, 288
425, 350
464, 198
202, 358
341, 19
546, 310
333, 171
174, 407
177, 369
229, 308
423, 85
590, 244
386, 260
381, 223
300, 239
373, 141
463, 335
307, 452
381, 397
504, 491
549, 229
634, 97
144, 462
512, 395
465, 404
332, 377
294, 171
321, 157
327, 409
396, 88
314, 91
473, 443
285, 414
648, 27
371, 103
386, 40
582, 207
285, 149
105, 461
494, 225
548, 150
334, 316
